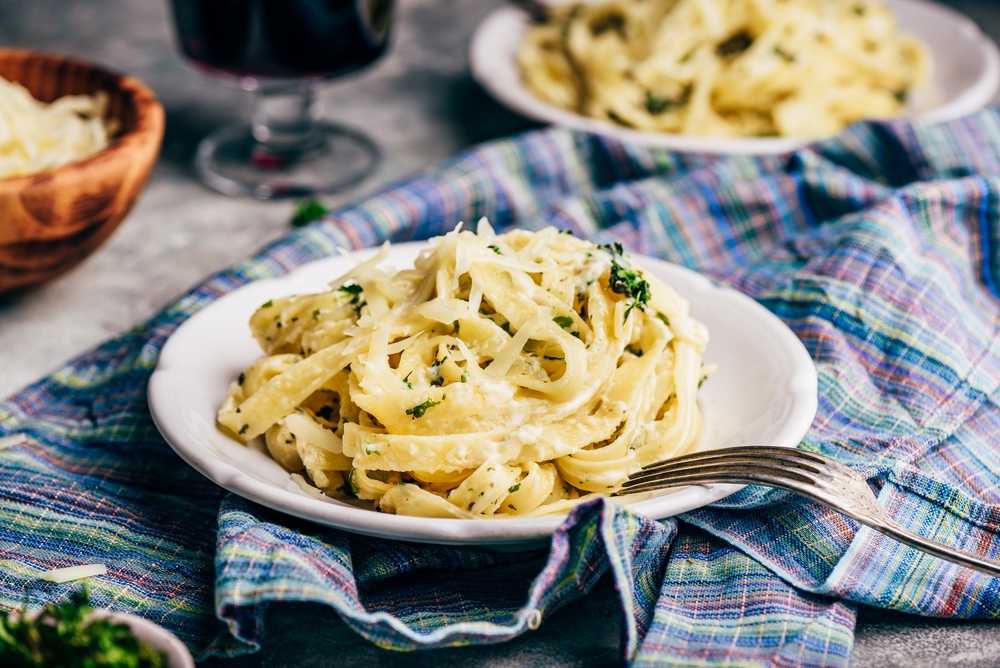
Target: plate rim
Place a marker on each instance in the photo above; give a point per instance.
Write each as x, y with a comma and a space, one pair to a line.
485, 62
508, 532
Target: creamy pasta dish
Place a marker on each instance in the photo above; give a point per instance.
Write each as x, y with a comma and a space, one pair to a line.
502, 375
725, 68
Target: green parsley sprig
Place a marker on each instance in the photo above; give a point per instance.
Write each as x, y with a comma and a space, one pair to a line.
308, 211
65, 635
625, 281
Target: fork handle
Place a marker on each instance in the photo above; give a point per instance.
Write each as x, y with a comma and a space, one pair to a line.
907, 537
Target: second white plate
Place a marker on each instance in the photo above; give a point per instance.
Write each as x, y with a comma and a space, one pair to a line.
764, 393
965, 78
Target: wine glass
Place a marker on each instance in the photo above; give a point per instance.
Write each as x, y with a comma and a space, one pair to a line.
280, 50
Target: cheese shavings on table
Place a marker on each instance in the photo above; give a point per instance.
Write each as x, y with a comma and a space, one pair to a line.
502, 375
725, 68
35, 136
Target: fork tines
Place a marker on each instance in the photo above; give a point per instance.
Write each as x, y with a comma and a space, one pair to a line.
786, 468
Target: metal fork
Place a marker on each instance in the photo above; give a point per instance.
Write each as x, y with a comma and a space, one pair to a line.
813, 476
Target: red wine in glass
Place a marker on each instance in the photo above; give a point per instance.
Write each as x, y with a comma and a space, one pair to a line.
281, 49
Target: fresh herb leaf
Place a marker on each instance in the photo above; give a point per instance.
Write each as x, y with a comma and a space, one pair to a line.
316, 314
735, 45
307, 212
662, 318
66, 635
563, 321
350, 488
351, 288
781, 53
514, 488
495, 249
625, 281
268, 304
656, 104
419, 410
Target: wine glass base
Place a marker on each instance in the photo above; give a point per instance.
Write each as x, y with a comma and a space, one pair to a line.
231, 161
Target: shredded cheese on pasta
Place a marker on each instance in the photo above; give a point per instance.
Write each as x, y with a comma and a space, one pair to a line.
35, 136
502, 375
725, 68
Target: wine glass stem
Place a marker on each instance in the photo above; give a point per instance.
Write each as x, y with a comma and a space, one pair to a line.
284, 116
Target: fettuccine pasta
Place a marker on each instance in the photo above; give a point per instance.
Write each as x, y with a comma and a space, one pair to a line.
726, 68
503, 375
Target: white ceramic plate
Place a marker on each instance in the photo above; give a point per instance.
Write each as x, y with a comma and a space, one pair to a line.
965, 78
764, 393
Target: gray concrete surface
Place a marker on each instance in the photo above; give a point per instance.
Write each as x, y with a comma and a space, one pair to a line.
420, 104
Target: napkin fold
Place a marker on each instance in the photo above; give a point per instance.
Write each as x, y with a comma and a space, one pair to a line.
879, 248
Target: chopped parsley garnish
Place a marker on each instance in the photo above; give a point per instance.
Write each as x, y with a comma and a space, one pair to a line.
625, 281
736, 44
506, 327
419, 410
662, 318
316, 314
350, 488
563, 321
635, 351
495, 249
656, 104
901, 95
781, 53
569, 232
465, 377
406, 381
307, 212
370, 450
242, 378
66, 635
350, 288
357, 309
514, 488
268, 304
438, 380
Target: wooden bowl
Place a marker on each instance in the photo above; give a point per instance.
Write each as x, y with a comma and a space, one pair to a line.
51, 220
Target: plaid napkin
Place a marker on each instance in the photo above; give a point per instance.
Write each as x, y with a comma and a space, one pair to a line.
880, 249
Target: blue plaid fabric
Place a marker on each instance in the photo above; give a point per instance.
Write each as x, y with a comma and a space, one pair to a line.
879, 248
